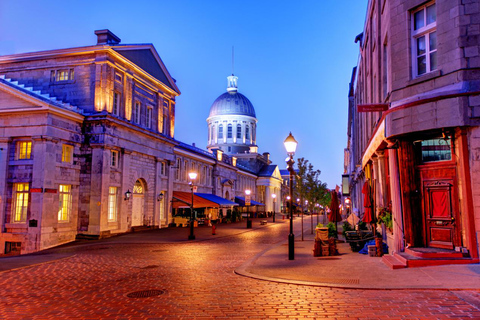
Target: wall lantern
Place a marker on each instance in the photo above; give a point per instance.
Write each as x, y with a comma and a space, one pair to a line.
128, 194
160, 196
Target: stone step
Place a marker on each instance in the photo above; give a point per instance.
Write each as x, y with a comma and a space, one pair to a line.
393, 262
419, 252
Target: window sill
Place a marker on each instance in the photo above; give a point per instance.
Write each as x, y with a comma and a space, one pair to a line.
425, 77
54, 83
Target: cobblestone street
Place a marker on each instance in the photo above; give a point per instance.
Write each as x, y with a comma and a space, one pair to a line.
196, 280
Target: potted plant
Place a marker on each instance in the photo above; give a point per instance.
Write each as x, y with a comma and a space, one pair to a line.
385, 216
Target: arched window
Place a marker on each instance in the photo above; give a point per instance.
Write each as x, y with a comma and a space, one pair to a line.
247, 132
220, 131
239, 131
229, 131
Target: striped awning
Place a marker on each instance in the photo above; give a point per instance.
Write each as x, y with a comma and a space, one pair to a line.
184, 199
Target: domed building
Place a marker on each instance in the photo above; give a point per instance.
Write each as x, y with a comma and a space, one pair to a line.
232, 122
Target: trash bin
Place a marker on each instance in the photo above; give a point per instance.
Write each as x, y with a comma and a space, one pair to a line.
249, 224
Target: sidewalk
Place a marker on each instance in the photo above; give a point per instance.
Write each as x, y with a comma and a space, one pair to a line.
352, 270
347, 270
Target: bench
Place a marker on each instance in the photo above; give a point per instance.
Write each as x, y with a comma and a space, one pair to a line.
262, 222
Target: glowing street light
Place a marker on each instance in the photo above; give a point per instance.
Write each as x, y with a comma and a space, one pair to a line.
274, 197
291, 146
193, 177
247, 203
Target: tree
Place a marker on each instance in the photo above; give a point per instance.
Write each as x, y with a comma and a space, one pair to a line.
309, 186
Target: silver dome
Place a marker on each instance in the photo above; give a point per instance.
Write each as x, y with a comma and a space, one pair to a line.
233, 103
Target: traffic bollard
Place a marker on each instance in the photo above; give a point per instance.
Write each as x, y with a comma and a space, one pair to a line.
213, 229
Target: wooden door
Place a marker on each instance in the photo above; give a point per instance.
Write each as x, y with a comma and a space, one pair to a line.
440, 213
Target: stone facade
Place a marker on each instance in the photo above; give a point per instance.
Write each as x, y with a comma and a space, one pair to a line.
418, 76
87, 146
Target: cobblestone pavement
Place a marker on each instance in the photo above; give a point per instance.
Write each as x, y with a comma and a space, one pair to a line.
195, 280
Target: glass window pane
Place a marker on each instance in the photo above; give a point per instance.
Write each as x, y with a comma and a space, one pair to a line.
420, 45
433, 61
433, 41
419, 19
421, 65
431, 14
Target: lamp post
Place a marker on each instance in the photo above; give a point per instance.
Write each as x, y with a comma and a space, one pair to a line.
192, 176
247, 203
291, 145
274, 197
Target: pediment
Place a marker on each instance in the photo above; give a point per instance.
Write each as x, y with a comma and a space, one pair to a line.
146, 57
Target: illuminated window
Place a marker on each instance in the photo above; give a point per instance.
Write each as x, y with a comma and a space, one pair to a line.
220, 131
229, 131
24, 150
239, 131
112, 204
138, 187
114, 158
116, 103
65, 202
67, 153
61, 75
20, 197
136, 112
149, 117
424, 38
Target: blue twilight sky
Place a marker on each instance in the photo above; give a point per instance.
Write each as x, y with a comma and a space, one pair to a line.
294, 59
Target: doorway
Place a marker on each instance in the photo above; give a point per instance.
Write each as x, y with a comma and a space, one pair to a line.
138, 204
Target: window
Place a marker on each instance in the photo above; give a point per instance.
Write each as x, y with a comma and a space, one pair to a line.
136, 112
239, 131
162, 168
177, 169
61, 75
247, 132
112, 204
118, 77
436, 150
424, 38
229, 131
114, 158
116, 103
212, 132
164, 125
67, 153
24, 150
64, 202
220, 131
21, 191
149, 117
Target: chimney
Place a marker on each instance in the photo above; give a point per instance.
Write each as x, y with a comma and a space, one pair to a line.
193, 144
266, 155
105, 36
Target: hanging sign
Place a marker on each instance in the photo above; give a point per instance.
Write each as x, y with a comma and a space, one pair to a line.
247, 200
374, 107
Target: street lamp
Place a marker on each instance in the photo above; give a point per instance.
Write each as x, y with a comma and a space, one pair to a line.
192, 176
247, 203
274, 197
291, 145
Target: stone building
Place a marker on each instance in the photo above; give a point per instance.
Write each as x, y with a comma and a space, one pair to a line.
413, 127
87, 146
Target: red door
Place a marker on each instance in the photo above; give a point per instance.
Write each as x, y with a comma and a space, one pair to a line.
440, 213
